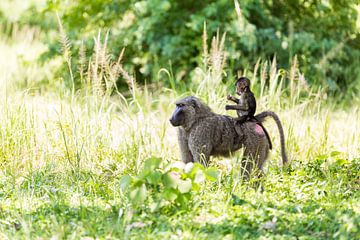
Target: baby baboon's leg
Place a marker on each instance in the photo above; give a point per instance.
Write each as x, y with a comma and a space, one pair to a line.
242, 119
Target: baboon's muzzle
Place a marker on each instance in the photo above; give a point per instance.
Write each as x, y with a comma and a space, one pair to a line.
177, 118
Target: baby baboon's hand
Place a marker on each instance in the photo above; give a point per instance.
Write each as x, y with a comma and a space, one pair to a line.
229, 97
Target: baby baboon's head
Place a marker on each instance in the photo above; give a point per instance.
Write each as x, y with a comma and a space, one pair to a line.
242, 85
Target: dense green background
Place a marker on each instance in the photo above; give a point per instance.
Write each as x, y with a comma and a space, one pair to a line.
167, 33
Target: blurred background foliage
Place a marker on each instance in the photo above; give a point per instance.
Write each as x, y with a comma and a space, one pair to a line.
322, 34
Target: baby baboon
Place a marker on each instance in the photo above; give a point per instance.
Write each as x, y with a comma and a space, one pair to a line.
203, 133
246, 105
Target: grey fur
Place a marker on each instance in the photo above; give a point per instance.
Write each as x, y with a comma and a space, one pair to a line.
203, 133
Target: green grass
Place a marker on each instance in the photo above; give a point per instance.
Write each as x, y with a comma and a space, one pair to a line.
62, 158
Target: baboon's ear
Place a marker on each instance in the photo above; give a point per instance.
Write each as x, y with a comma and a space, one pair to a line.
194, 103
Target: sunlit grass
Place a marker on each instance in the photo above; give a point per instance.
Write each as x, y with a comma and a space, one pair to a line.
63, 155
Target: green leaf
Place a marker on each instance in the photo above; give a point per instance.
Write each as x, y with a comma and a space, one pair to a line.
184, 186
125, 182
212, 174
171, 179
335, 153
138, 195
152, 163
155, 206
183, 199
137, 182
170, 194
195, 186
341, 162
196, 168
154, 178
322, 157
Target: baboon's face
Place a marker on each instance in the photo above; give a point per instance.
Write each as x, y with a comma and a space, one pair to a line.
241, 87
184, 112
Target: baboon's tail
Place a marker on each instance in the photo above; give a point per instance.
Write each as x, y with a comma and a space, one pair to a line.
261, 118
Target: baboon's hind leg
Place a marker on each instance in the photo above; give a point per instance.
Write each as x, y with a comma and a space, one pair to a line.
255, 156
263, 152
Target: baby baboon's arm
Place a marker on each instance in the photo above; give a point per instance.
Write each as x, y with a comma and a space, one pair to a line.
234, 99
236, 107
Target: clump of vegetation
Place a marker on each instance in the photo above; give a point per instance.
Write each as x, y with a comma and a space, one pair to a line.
172, 185
323, 35
77, 153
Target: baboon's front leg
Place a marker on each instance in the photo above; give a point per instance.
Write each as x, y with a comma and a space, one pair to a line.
201, 154
185, 153
200, 147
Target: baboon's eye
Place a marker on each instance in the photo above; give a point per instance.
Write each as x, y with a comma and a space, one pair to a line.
180, 105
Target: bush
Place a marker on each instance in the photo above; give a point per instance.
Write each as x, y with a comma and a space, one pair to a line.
162, 187
156, 33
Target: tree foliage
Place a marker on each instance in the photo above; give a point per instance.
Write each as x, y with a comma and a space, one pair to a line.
167, 33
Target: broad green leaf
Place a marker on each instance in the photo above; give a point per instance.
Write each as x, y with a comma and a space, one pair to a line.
341, 162
184, 186
212, 174
154, 177
196, 168
137, 182
155, 206
170, 194
322, 157
183, 199
149, 166
335, 153
171, 179
195, 186
152, 163
125, 182
138, 195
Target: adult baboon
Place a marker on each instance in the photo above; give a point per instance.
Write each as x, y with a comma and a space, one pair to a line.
203, 133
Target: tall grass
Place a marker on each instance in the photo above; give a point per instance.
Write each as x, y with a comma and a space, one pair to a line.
62, 155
